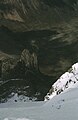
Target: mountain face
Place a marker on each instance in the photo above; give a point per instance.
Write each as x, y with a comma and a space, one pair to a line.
36, 14
54, 23
47, 30
38, 43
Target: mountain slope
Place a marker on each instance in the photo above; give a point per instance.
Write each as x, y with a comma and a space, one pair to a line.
59, 19
36, 14
61, 107
65, 82
47, 27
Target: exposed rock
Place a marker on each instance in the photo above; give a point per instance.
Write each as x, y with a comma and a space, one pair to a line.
37, 14
48, 29
7, 66
0, 68
30, 59
26, 57
18, 71
55, 37
7, 63
34, 61
13, 67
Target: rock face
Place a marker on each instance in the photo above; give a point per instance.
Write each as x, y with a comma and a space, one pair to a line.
7, 63
12, 67
56, 49
30, 59
22, 71
36, 14
47, 31
7, 66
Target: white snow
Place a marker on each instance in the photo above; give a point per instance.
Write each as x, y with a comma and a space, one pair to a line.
16, 119
18, 98
63, 106
66, 81
75, 68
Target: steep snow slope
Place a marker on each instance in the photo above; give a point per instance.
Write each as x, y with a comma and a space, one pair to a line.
66, 81
61, 107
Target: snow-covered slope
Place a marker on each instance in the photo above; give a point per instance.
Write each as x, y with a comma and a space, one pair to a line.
61, 107
65, 82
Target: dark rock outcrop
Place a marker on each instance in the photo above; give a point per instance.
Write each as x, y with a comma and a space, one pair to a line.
7, 65
16, 68
30, 59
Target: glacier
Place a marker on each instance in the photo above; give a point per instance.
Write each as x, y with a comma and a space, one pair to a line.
61, 106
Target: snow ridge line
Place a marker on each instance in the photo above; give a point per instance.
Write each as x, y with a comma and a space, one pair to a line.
66, 81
